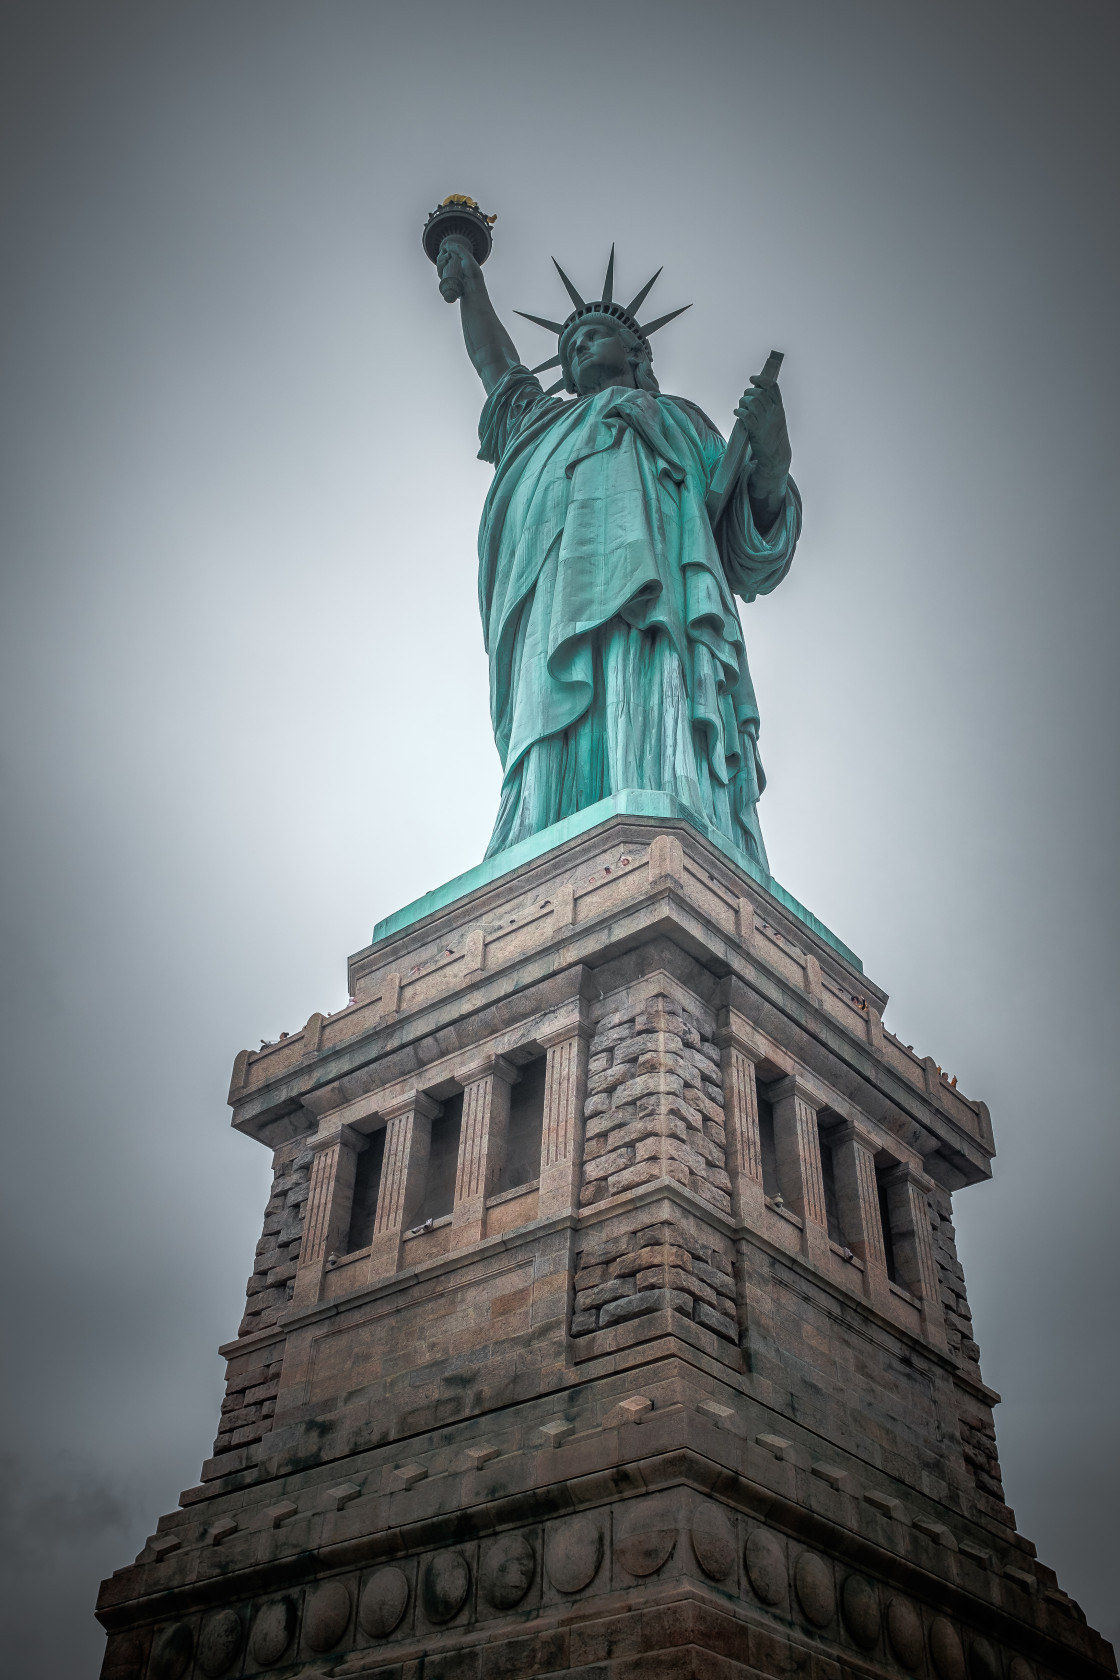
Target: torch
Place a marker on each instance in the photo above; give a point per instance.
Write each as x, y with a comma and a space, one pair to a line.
458, 217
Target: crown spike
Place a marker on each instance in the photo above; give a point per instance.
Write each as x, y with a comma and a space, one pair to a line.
543, 367
539, 320
608, 283
632, 308
569, 288
552, 389
663, 320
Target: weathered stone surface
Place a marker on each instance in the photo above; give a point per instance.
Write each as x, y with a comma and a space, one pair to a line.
446, 1583
219, 1643
904, 1629
859, 1604
983, 1663
171, 1652
506, 1568
326, 1615
765, 1560
816, 1590
383, 1602
274, 1626
573, 1552
945, 1649
467, 1383
713, 1541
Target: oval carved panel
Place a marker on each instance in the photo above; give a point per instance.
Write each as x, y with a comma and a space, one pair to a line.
946, 1651
505, 1570
272, 1631
447, 1581
816, 1591
904, 1627
860, 1604
645, 1533
219, 1643
326, 1615
1021, 1669
383, 1602
983, 1664
713, 1541
171, 1652
765, 1559
573, 1553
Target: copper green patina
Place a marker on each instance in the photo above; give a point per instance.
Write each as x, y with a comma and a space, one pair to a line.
617, 658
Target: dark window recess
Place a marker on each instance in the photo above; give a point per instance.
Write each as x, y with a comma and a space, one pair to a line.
769, 1151
888, 1235
367, 1183
522, 1162
828, 1174
443, 1161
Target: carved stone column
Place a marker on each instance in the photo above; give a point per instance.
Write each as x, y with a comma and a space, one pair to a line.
857, 1195
907, 1189
562, 1130
740, 1096
482, 1141
327, 1221
404, 1169
798, 1151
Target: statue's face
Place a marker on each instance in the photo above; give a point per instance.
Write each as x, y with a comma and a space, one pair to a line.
598, 357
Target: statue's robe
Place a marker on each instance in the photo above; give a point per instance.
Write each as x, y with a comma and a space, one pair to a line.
617, 658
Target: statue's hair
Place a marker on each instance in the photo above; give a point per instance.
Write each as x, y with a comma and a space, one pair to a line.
638, 352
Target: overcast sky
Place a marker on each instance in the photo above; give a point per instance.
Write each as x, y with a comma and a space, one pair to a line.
244, 697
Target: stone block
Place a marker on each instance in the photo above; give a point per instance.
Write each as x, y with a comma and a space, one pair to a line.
649, 1301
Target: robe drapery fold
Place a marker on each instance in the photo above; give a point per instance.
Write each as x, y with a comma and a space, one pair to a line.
617, 658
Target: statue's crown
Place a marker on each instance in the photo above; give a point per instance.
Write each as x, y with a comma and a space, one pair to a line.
626, 317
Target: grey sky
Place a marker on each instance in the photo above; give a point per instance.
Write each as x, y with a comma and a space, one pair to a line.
244, 698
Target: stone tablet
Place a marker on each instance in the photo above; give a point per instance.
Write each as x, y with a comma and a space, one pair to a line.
272, 1631
573, 1552
860, 1605
383, 1602
219, 1643
505, 1571
326, 1615
904, 1626
713, 1541
765, 1559
816, 1592
447, 1581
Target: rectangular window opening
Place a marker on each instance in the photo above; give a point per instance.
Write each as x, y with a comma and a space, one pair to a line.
443, 1162
522, 1162
888, 1235
367, 1183
769, 1149
831, 1202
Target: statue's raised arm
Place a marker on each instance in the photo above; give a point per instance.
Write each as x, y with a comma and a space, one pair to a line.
457, 238
606, 575
489, 345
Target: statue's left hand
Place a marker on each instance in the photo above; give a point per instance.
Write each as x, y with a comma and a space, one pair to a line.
761, 411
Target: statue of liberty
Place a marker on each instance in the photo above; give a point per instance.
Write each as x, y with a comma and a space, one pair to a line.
613, 540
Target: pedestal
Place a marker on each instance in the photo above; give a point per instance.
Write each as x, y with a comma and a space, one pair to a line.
676, 1375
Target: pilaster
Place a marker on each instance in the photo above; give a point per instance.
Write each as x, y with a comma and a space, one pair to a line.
562, 1130
408, 1136
329, 1200
738, 1059
798, 1152
482, 1142
907, 1189
857, 1192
